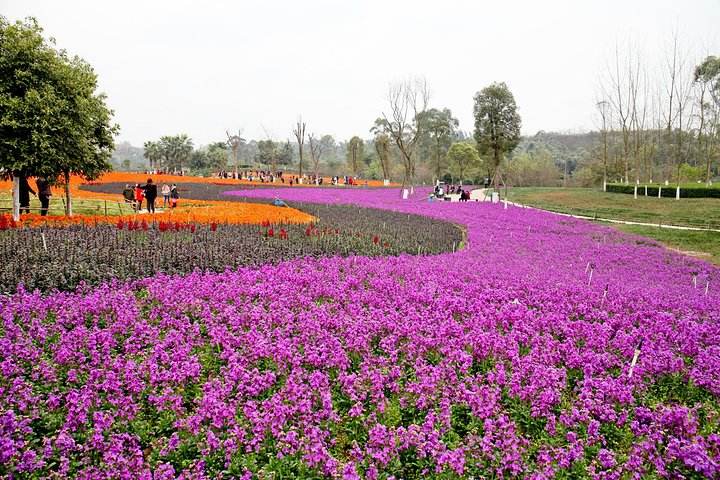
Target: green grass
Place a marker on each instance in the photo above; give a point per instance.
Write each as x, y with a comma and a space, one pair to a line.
82, 206
704, 245
699, 212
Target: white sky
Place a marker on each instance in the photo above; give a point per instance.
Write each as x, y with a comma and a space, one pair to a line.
206, 66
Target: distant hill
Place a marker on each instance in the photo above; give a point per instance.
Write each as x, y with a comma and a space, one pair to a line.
134, 155
562, 147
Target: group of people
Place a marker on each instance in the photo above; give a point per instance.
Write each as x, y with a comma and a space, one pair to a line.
458, 190
439, 192
267, 176
149, 192
43, 193
262, 176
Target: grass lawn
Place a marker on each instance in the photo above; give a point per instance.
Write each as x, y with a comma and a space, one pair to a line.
698, 212
704, 245
82, 206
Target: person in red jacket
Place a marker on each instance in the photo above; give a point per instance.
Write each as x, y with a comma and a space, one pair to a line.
139, 195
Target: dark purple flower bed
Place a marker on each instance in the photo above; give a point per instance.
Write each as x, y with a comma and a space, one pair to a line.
549, 348
54, 258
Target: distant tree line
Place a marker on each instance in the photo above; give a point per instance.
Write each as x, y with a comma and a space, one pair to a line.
658, 122
412, 143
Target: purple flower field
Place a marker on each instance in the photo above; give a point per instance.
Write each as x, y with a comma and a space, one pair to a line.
512, 358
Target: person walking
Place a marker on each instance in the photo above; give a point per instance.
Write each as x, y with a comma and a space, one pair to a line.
138, 197
166, 194
24, 196
150, 192
44, 193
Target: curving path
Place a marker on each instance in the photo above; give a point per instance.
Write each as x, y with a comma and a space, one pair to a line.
509, 359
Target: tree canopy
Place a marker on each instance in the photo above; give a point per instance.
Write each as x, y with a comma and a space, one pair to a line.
439, 127
497, 123
52, 121
463, 158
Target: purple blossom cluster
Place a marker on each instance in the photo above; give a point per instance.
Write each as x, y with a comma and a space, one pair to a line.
548, 347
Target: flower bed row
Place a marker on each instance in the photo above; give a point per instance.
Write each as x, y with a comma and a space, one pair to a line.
205, 212
512, 358
137, 247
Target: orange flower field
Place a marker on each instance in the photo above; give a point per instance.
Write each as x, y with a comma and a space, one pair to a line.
188, 211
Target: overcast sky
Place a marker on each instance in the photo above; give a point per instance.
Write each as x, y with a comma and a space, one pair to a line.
201, 67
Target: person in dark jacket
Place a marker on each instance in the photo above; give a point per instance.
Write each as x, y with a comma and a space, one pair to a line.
25, 192
150, 195
174, 196
44, 192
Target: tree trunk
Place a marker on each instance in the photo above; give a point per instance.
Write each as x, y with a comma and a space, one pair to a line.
16, 198
708, 155
68, 199
437, 157
300, 151
496, 160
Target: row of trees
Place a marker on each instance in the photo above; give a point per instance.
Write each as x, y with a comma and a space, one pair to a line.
655, 121
411, 142
53, 123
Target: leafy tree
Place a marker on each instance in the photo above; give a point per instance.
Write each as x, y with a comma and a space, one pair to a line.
463, 158
52, 121
199, 160
285, 154
218, 156
707, 75
176, 151
267, 153
355, 152
152, 153
439, 127
534, 167
497, 124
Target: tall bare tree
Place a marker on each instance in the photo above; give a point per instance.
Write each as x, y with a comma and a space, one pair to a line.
619, 90
299, 133
235, 142
407, 100
316, 150
603, 107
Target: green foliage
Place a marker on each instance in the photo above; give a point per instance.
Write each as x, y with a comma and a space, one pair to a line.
439, 129
533, 168
153, 153
212, 158
497, 122
463, 159
52, 121
176, 151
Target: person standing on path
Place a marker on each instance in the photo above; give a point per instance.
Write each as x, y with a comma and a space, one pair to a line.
166, 195
174, 196
24, 196
44, 194
138, 197
150, 192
